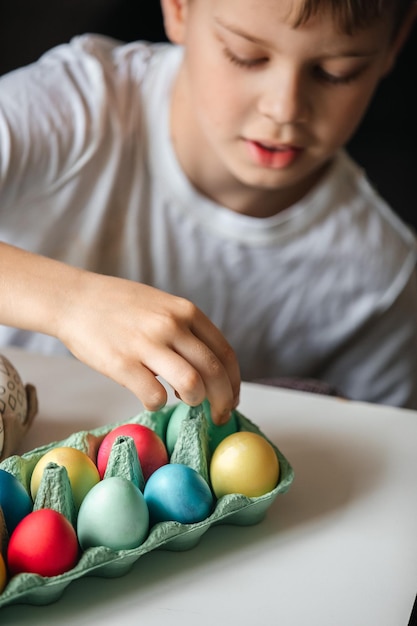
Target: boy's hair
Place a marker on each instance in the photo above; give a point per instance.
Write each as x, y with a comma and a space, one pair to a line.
353, 14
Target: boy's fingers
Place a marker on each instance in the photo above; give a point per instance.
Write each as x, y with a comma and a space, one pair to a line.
144, 384
140, 377
195, 374
225, 354
190, 354
218, 371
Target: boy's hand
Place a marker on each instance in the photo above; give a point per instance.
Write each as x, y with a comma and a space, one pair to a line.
133, 333
123, 329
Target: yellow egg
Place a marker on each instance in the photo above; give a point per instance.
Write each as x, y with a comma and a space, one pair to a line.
82, 471
3, 574
245, 463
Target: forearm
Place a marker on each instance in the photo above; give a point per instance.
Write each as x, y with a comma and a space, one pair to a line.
34, 290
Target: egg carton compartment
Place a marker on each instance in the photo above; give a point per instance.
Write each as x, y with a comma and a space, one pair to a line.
192, 448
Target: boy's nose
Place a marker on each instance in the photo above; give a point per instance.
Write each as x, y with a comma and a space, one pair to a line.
284, 100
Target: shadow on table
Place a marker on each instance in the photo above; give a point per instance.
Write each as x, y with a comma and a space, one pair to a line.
331, 472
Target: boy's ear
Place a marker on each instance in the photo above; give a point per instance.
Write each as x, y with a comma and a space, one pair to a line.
401, 36
174, 13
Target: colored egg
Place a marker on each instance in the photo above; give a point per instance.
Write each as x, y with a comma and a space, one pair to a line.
43, 543
215, 433
113, 514
151, 449
244, 463
177, 492
15, 501
3, 574
174, 425
82, 471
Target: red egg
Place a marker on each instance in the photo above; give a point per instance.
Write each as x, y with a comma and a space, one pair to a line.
151, 449
44, 543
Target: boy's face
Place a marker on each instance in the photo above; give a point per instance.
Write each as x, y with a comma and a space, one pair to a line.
263, 104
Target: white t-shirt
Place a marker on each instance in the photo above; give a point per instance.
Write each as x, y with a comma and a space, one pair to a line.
88, 175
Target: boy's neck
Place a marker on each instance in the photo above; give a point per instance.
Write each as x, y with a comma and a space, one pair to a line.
227, 191
254, 202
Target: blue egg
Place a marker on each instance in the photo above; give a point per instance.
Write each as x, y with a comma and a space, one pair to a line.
178, 493
15, 501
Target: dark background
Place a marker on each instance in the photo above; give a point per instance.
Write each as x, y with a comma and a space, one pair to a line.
385, 143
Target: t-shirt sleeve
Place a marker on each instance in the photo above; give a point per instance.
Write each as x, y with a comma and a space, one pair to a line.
57, 113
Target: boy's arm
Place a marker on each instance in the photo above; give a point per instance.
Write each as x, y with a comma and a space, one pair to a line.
128, 331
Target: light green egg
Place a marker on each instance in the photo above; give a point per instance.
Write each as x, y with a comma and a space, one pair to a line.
113, 514
216, 434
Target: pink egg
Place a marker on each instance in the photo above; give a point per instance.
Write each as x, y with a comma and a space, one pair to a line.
151, 449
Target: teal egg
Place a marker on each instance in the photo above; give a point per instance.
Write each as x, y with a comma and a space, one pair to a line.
174, 425
176, 492
113, 514
15, 501
216, 434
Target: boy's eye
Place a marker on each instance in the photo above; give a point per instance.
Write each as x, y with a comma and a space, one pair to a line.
243, 62
335, 79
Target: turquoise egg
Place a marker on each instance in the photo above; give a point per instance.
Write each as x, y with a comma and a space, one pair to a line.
15, 501
178, 493
215, 433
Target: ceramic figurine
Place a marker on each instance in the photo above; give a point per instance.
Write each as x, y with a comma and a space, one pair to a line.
18, 407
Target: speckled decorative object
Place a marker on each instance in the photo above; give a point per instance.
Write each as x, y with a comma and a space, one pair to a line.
191, 449
18, 407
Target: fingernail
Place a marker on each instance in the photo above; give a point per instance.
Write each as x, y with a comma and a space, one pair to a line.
223, 418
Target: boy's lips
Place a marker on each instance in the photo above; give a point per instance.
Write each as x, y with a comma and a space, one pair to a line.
272, 155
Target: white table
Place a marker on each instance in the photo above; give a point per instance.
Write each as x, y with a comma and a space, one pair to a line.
339, 549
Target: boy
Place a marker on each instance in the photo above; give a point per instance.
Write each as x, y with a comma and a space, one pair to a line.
195, 211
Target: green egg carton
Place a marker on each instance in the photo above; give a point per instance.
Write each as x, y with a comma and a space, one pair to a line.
191, 448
